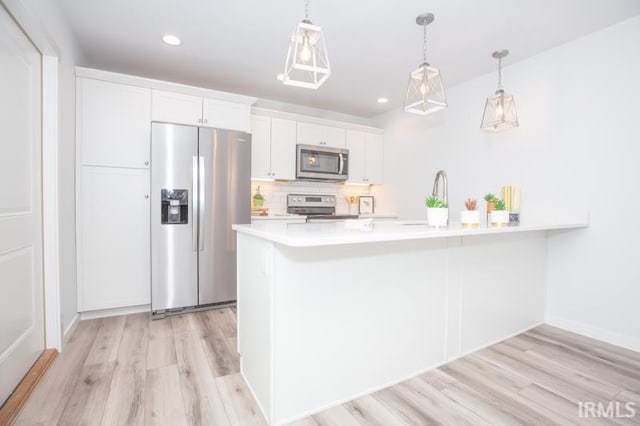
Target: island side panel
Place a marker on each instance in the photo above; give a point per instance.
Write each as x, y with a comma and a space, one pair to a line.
503, 287
255, 308
352, 319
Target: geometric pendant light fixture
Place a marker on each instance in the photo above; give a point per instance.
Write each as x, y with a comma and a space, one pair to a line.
425, 92
500, 109
307, 63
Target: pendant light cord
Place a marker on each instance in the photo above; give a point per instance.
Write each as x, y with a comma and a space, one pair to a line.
500, 73
306, 10
424, 44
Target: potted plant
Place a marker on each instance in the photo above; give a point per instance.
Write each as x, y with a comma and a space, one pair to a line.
490, 199
499, 214
470, 218
437, 211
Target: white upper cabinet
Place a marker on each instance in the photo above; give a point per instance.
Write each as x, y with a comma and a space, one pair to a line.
315, 134
260, 147
283, 149
226, 115
114, 124
357, 156
366, 159
177, 108
171, 107
374, 143
334, 136
273, 148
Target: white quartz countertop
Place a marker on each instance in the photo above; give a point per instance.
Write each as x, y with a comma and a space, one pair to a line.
335, 233
285, 216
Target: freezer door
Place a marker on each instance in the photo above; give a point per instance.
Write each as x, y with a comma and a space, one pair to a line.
225, 200
174, 255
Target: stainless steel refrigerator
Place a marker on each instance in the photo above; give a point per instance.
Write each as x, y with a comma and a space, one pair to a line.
200, 186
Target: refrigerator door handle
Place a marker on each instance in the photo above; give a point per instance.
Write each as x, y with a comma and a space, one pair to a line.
201, 206
194, 205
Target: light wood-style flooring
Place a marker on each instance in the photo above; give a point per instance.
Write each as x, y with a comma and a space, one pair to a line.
183, 370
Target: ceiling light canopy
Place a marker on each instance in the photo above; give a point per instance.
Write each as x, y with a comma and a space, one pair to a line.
425, 93
172, 40
307, 63
500, 109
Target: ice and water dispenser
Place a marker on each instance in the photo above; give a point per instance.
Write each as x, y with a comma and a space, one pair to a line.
174, 206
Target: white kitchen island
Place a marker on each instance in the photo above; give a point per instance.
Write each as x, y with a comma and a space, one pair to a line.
326, 314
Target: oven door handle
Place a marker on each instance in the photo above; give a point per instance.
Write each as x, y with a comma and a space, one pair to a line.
341, 167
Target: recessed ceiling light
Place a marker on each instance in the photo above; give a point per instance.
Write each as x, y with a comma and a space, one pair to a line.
383, 100
280, 77
172, 40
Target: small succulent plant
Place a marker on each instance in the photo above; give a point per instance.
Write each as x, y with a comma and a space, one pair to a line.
490, 198
499, 204
471, 204
434, 202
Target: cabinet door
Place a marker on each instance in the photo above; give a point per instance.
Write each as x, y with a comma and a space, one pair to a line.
114, 124
334, 136
260, 147
283, 149
225, 115
114, 247
309, 134
375, 157
168, 107
357, 156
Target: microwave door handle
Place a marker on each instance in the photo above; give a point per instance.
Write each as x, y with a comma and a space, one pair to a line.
341, 164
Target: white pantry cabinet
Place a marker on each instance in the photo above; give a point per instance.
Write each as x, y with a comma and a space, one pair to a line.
113, 124
113, 243
169, 107
366, 157
316, 134
273, 148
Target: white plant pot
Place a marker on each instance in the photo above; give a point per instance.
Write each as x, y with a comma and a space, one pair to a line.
499, 218
470, 218
437, 217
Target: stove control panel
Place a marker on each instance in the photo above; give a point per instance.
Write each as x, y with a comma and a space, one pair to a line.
307, 200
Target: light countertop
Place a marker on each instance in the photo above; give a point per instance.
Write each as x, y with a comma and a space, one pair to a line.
335, 233
285, 216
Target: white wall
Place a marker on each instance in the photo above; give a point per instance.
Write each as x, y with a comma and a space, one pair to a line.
576, 151
45, 22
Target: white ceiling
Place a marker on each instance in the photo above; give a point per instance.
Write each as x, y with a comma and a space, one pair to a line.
240, 45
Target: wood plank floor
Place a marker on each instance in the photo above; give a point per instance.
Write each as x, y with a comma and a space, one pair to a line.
183, 370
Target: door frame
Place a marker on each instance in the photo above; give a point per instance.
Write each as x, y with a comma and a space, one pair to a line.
34, 29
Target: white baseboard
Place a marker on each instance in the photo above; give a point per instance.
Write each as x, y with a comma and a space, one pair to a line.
68, 332
617, 339
103, 313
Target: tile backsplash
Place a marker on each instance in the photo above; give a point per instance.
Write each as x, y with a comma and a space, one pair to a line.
275, 193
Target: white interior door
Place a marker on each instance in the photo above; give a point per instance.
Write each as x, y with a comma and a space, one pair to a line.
21, 285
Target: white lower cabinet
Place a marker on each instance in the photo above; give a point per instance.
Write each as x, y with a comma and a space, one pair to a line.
113, 238
366, 157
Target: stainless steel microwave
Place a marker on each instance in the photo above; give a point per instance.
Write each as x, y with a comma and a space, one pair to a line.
322, 163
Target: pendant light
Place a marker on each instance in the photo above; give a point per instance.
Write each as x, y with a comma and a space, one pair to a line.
425, 93
500, 109
307, 62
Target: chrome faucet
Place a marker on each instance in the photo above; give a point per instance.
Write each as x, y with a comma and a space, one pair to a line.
445, 189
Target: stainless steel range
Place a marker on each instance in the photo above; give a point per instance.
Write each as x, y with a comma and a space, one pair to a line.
316, 207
